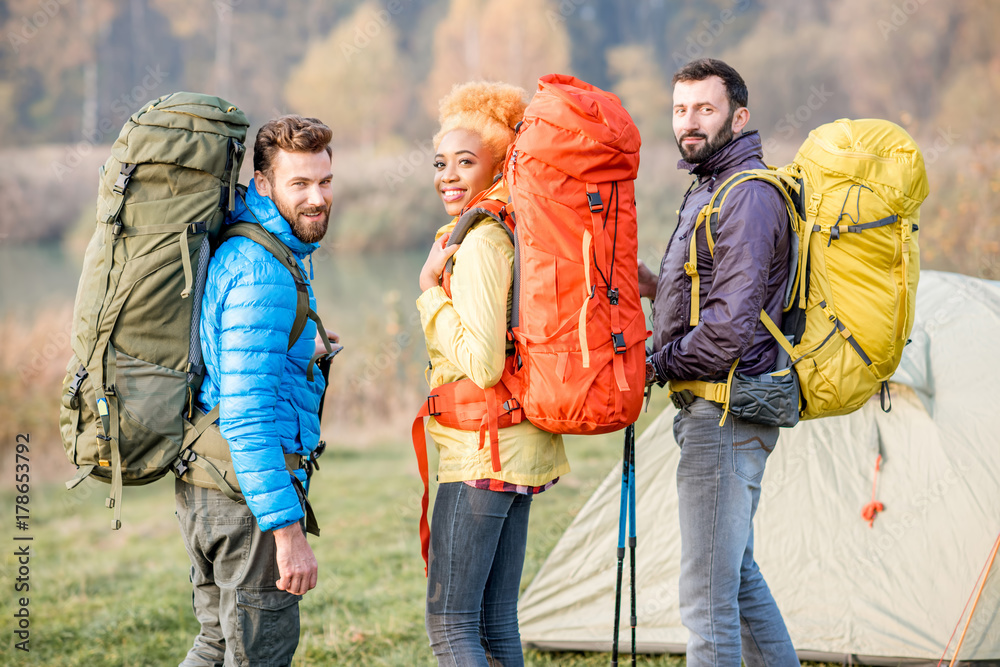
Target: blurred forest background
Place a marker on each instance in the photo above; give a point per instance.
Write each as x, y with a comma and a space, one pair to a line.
72, 71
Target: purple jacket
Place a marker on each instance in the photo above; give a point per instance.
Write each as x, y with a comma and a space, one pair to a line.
748, 273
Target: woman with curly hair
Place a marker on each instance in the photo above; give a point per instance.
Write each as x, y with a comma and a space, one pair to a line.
479, 526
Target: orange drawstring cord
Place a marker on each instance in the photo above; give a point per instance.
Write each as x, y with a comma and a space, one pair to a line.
874, 507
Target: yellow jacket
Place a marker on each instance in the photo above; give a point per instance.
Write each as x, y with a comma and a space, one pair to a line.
466, 337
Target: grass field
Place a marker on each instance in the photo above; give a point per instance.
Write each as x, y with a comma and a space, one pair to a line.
102, 598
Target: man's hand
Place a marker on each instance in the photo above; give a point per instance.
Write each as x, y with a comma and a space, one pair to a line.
647, 281
296, 562
334, 339
430, 275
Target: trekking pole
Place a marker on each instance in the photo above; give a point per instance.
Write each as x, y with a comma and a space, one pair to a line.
630, 436
622, 519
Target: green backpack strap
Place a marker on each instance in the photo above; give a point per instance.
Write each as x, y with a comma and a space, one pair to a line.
281, 252
257, 233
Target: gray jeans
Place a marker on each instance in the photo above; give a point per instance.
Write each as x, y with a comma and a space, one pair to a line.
245, 619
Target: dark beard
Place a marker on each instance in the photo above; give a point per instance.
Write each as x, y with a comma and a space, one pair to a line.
307, 232
311, 232
710, 146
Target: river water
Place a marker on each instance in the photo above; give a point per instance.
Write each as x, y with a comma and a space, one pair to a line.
367, 299
349, 288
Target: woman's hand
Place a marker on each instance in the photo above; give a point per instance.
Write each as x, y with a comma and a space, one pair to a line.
430, 275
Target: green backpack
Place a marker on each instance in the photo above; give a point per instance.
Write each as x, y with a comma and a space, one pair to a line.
136, 367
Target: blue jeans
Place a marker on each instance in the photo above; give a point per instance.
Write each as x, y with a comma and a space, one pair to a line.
477, 547
724, 601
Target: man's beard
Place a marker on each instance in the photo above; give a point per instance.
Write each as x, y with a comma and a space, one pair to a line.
709, 147
307, 231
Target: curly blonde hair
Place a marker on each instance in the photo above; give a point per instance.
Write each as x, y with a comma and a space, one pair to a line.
489, 108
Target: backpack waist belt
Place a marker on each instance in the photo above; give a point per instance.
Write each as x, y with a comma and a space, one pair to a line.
206, 462
465, 406
716, 392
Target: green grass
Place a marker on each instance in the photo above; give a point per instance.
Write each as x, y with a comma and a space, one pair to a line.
120, 598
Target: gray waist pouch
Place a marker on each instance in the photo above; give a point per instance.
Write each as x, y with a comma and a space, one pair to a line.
771, 399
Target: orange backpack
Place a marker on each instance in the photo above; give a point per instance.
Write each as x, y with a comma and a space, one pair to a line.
577, 323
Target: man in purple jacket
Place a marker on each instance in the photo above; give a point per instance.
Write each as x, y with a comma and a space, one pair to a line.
724, 601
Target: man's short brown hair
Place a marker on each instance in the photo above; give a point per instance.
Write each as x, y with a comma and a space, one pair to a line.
699, 70
291, 133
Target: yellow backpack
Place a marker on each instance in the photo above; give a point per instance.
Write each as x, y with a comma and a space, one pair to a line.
853, 194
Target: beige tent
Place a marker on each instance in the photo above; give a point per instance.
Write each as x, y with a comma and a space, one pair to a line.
849, 592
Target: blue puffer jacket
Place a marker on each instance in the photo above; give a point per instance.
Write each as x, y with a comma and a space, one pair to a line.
268, 407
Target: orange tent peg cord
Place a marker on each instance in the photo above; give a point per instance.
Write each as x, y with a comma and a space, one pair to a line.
874, 507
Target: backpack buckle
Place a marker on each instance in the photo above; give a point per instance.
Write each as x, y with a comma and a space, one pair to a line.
682, 399
124, 176
310, 462
594, 199
619, 342
431, 407
511, 404
78, 379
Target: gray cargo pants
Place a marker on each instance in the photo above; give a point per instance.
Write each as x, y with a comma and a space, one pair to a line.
245, 619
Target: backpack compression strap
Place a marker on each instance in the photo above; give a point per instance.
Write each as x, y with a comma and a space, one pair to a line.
595, 247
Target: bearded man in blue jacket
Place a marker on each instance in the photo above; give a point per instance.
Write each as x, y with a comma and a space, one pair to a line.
251, 562
724, 600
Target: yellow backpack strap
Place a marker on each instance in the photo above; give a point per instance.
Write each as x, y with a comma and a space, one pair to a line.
717, 392
709, 217
691, 268
714, 207
778, 335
